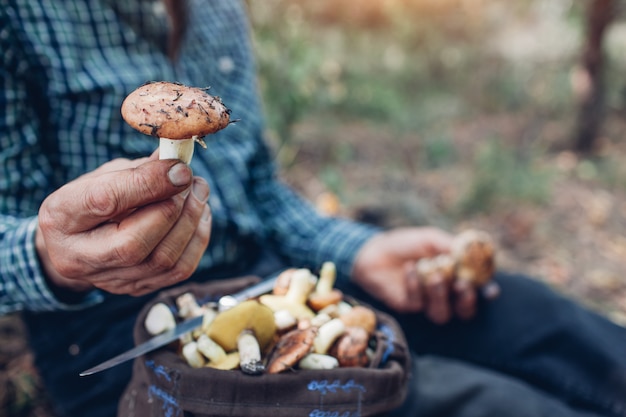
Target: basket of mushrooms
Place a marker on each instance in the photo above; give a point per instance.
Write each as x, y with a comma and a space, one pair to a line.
301, 349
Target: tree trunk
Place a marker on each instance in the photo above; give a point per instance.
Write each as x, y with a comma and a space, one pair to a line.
592, 106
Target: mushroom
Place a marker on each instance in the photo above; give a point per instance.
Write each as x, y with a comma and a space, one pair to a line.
188, 307
217, 356
318, 361
294, 300
282, 282
250, 314
249, 353
324, 294
177, 114
210, 349
159, 319
474, 255
350, 349
192, 355
290, 348
360, 316
284, 321
327, 334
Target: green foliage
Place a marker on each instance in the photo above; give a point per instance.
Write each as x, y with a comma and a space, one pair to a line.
438, 151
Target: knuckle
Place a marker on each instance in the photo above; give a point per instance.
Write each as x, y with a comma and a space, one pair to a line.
102, 201
131, 251
163, 260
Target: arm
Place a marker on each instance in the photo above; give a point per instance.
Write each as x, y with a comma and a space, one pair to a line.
129, 227
383, 263
297, 230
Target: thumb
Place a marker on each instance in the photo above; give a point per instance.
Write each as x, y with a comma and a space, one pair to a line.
89, 201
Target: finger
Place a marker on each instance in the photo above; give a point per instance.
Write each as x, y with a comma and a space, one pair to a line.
175, 242
464, 299
88, 202
118, 245
438, 299
415, 296
147, 278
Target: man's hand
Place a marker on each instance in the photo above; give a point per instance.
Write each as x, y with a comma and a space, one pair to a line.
386, 268
130, 227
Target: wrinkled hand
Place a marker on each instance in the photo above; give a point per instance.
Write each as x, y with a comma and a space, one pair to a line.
130, 227
385, 267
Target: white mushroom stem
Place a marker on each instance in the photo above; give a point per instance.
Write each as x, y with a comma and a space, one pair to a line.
207, 318
249, 353
188, 306
178, 148
159, 319
284, 320
299, 286
327, 334
320, 319
318, 361
193, 356
326, 281
210, 349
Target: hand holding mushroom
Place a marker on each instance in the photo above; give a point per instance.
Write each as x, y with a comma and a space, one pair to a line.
386, 268
126, 228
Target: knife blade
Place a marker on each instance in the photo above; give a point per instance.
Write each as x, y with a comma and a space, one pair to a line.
182, 328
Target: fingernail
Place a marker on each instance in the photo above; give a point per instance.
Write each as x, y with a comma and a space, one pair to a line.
200, 189
206, 214
179, 174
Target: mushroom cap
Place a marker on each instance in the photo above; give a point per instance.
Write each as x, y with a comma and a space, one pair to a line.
474, 253
318, 301
290, 348
174, 111
360, 316
281, 302
282, 282
249, 314
350, 349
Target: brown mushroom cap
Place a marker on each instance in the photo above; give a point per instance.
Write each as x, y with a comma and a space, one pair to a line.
174, 111
360, 316
351, 348
318, 301
474, 253
291, 347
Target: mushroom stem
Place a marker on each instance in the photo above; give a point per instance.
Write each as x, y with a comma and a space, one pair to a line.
192, 355
318, 361
327, 334
249, 353
326, 281
210, 349
176, 149
299, 287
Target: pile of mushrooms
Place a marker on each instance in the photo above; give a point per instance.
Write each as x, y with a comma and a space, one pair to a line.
305, 322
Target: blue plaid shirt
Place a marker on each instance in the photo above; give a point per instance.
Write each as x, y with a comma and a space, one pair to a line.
67, 66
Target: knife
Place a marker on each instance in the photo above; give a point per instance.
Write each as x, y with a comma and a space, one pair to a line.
163, 339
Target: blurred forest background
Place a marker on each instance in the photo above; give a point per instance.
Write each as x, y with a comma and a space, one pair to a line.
509, 116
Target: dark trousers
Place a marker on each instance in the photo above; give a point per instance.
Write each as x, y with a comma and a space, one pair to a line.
528, 353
